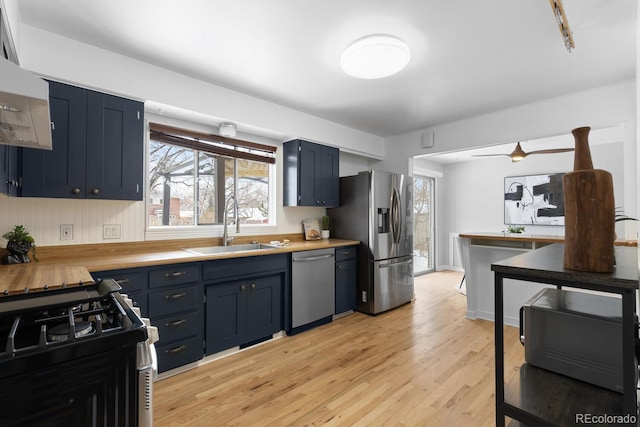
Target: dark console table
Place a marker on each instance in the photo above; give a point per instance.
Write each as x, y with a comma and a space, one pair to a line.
538, 397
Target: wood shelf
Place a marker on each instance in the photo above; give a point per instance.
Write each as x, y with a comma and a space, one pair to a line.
555, 399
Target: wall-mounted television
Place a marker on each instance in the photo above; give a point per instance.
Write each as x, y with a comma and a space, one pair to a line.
534, 199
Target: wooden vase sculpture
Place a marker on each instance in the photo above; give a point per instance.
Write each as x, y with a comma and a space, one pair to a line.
589, 212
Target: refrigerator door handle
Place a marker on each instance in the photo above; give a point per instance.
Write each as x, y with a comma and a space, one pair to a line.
396, 224
395, 264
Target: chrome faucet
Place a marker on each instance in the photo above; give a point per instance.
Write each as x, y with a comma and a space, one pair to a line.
225, 235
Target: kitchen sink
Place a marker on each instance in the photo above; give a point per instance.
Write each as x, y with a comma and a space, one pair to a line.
210, 250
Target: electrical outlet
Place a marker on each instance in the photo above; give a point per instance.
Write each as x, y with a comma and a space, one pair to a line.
66, 231
111, 231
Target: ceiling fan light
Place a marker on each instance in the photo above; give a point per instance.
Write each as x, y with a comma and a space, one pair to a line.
375, 57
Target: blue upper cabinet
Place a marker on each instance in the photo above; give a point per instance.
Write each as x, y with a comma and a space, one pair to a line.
97, 148
311, 174
114, 147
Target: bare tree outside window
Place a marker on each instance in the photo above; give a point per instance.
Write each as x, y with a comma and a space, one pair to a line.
188, 187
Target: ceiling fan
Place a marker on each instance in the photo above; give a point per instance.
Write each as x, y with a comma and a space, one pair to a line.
518, 154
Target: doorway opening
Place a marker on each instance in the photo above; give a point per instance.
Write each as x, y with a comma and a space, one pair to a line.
423, 224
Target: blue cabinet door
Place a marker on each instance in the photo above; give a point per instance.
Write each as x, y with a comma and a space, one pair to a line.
114, 147
345, 286
225, 316
328, 177
264, 312
59, 172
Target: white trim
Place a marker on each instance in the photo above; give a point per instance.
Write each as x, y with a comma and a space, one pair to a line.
427, 172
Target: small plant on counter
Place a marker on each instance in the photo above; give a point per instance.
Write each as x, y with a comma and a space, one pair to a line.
515, 229
19, 244
325, 222
324, 225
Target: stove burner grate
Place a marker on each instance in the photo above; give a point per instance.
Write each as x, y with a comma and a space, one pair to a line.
63, 332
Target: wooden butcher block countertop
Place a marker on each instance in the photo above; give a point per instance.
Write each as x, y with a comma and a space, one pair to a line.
71, 265
538, 238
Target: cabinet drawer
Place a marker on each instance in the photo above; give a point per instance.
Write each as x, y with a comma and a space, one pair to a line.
177, 354
346, 252
174, 300
177, 327
129, 280
175, 275
242, 267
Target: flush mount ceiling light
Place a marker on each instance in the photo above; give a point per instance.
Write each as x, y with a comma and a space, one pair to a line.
227, 129
374, 57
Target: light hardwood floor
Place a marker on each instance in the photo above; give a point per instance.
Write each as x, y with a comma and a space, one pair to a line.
422, 364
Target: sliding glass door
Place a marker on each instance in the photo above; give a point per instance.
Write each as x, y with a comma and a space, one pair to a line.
423, 223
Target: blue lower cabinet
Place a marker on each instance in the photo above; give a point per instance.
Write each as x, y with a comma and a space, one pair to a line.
243, 312
179, 353
346, 279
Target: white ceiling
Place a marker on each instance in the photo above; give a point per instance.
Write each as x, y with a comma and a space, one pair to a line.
468, 57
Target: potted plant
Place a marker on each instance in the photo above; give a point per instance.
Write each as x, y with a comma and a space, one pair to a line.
324, 232
19, 244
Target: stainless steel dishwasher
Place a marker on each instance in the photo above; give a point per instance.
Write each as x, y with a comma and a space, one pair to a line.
312, 288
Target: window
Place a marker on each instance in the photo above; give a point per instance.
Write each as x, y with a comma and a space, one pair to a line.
192, 174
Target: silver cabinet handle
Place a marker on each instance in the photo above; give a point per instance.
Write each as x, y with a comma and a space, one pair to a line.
253, 286
76, 191
243, 287
175, 274
95, 191
175, 296
175, 349
122, 281
313, 258
175, 323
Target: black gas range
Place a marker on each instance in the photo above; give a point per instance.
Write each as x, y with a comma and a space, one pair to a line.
72, 356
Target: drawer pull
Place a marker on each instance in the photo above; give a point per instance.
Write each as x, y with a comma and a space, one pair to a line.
345, 252
175, 349
175, 296
122, 281
175, 274
253, 286
243, 287
175, 323
339, 267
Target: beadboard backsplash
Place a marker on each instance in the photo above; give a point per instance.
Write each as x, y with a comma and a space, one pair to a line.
43, 217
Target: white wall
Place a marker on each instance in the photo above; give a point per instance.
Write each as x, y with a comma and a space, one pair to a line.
473, 192
604, 107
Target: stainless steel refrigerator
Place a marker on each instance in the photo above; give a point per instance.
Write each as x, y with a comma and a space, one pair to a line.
376, 208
